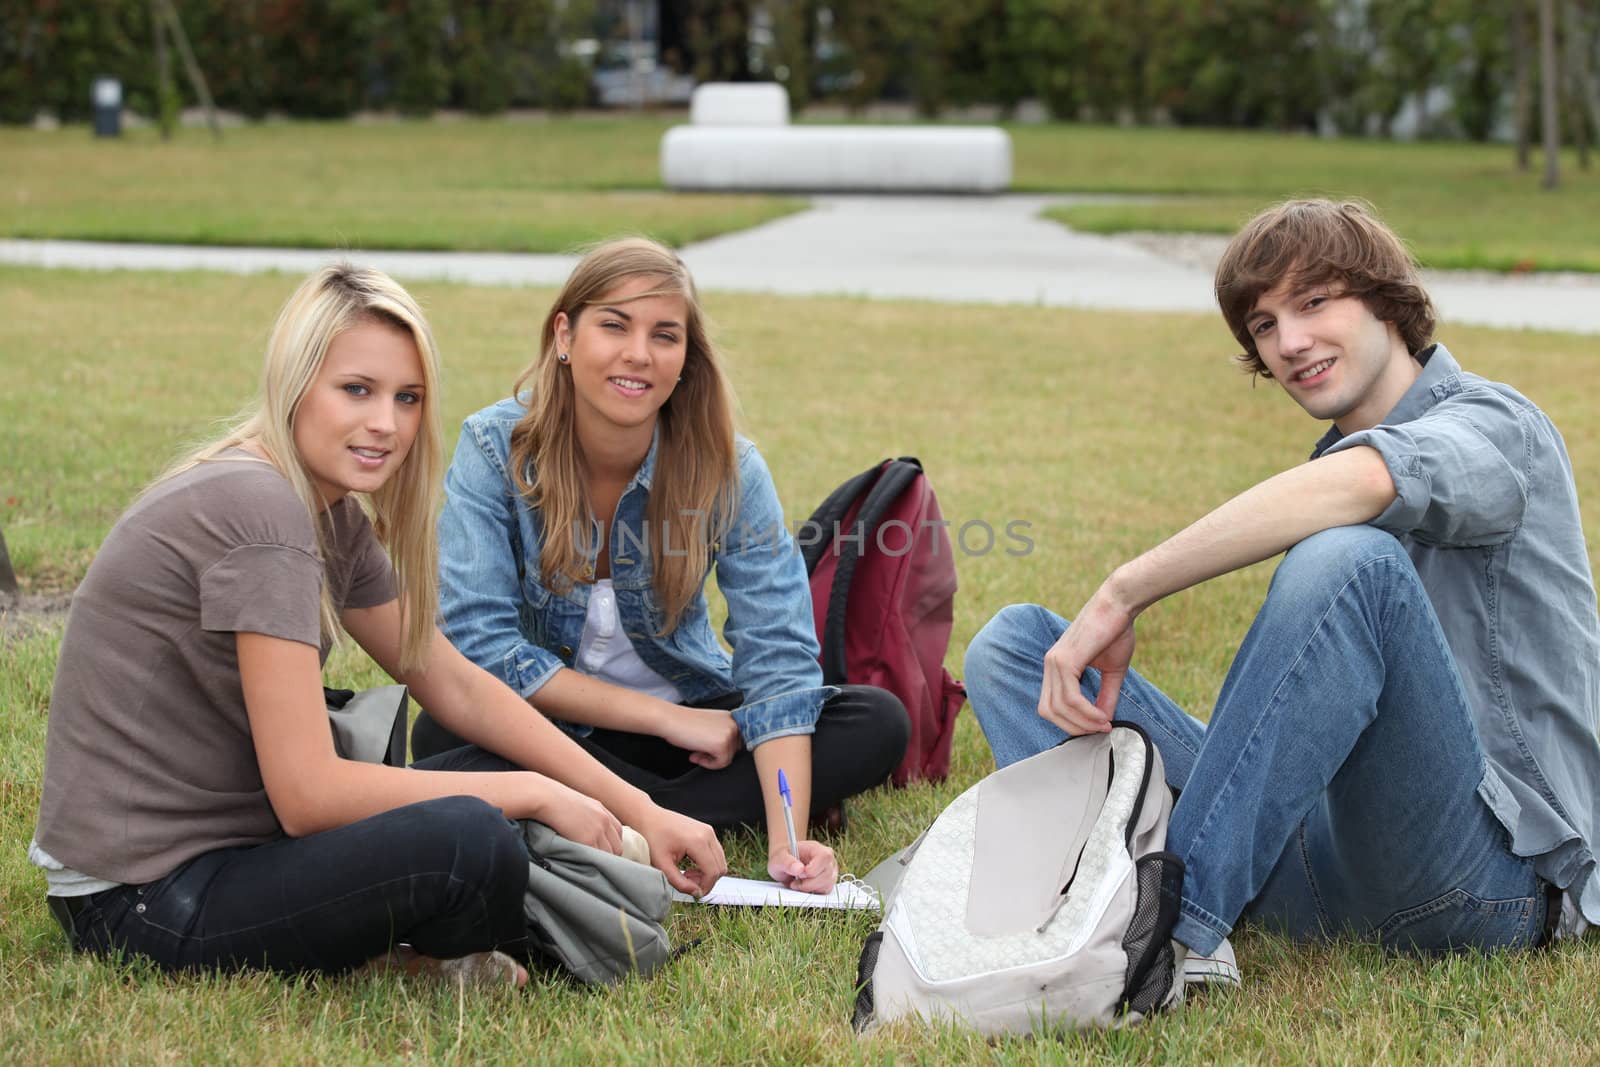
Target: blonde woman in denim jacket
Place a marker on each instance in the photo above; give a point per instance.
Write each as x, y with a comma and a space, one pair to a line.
583, 516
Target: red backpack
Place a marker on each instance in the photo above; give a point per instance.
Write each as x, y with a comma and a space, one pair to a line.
883, 586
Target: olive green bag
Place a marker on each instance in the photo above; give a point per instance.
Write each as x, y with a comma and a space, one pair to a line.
597, 915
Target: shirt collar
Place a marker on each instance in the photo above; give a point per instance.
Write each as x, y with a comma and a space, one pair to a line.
647, 469
642, 477
1439, 370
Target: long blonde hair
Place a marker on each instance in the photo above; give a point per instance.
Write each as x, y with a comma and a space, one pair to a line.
696, 479
331, 301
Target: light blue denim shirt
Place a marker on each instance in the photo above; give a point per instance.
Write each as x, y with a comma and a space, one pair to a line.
499, 614
1488, 512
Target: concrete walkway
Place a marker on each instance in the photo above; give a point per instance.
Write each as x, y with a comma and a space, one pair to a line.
986, 250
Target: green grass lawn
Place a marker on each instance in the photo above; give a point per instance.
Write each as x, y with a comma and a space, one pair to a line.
545, 185
1462, 206
1103, 431
468, 184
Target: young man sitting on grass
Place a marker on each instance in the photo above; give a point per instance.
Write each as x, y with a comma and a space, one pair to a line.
1405, 746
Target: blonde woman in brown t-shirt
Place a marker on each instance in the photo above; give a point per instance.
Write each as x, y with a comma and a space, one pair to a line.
194, 810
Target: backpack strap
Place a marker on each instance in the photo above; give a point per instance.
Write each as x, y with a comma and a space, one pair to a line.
833, 510
897, 475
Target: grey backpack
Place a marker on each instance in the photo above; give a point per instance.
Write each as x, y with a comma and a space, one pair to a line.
597, 915
1041, 898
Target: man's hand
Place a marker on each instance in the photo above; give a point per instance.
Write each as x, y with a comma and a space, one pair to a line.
711, 737
815, 870
674, 838
1100, 637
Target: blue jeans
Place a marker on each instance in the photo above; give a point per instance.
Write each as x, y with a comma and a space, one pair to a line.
447, 876
1335, 788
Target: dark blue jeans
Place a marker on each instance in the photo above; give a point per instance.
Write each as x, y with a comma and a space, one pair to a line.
446, 876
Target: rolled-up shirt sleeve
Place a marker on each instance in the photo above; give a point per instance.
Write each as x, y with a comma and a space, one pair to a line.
1460, 475
480, 570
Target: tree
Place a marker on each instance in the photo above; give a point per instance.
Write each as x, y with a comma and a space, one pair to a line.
1522, 67
1416, 41
1238, 62
794, 48
1585, 103
719, 33
410, 51
1477, 79
874, 41
674, 35
1549, 97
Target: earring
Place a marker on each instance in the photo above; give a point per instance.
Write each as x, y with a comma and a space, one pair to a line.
563, 357
680, 377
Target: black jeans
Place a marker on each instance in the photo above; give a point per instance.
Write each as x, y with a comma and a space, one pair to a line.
860, 738
447, 876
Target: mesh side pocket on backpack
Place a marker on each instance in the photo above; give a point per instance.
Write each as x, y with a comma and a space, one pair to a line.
864, 969
1148, 939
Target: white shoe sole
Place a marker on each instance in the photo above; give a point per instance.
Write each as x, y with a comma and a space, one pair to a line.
1220, 968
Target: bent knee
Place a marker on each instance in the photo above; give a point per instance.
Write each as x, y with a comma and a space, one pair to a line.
877, 724
1026, 630
893, 724
473, 833
1338, 553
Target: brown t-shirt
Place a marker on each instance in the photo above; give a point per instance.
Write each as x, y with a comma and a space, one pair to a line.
148, 756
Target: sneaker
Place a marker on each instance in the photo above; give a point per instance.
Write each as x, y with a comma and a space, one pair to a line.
1218, 968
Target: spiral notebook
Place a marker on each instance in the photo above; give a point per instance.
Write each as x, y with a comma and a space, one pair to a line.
752, 893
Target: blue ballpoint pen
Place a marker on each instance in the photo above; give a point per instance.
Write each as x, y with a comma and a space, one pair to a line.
788, 813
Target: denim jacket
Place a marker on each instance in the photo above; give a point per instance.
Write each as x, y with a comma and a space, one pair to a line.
500, 615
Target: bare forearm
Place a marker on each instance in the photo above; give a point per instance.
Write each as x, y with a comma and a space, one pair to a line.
477, 707
1343, 489
482, 710
576, 697
792, 755
710, 736
344, 791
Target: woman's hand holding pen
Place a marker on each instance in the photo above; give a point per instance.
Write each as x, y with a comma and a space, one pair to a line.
814, 870
807, 866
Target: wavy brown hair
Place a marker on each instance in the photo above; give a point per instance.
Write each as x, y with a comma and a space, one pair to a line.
1323, 242
696, 479
331, 301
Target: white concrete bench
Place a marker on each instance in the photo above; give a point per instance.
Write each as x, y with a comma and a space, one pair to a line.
922, 159
739, 104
